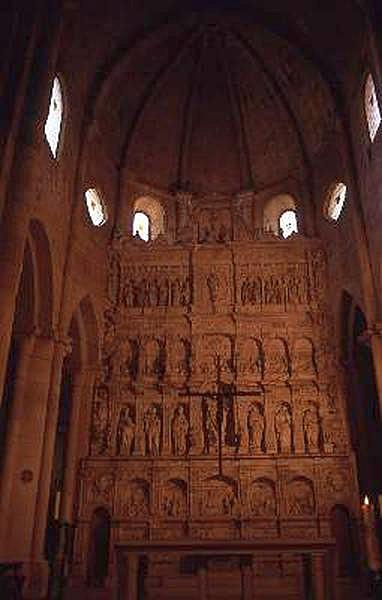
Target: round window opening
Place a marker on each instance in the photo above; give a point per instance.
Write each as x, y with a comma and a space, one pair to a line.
288, 223
96, 208
335, 201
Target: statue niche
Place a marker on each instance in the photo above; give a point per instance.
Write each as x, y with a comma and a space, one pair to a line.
174, 499
125, 432
180, 431
276, 363
312, 429
262, 498
153, 430
283, 429
151, 364
250, 361
303, 365
178, 363
256, 427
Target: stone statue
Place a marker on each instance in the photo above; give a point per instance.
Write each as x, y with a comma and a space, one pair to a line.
125, 433
256, 424
283, 429
152, 428
312, 430
180, 431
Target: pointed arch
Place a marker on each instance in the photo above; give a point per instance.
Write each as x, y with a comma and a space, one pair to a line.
39, 246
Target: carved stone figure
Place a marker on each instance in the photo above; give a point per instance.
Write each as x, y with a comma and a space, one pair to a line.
283, 429
275, 360
99, 433
262, 500
125, 433
213, 287
312, 429
153, 429
256, 425
180, 431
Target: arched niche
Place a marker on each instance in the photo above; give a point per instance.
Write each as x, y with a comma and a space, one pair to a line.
98, 548
155, 214
274, 209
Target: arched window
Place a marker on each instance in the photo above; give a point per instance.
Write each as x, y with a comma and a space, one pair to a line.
141, 226
335, 201
372, 108
280, 216
53, 122
148, 218
288, 223
96, 207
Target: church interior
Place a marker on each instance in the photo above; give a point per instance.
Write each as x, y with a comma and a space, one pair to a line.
191, 299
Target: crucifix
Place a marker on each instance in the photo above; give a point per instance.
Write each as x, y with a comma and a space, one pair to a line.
224, 392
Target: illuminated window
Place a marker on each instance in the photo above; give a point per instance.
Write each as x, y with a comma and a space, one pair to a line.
335, 201
372, 109
96, 207
274, 209
288, 223
54, 120
141, 226
148, 218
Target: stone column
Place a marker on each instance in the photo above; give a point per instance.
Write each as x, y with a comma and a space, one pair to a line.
130, 564
246, 579
203, 581
24, 453
26, 347
62, 348
82, 380
319, 576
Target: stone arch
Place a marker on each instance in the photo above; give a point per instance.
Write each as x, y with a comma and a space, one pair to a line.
154, 210
41, 259
274, 208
